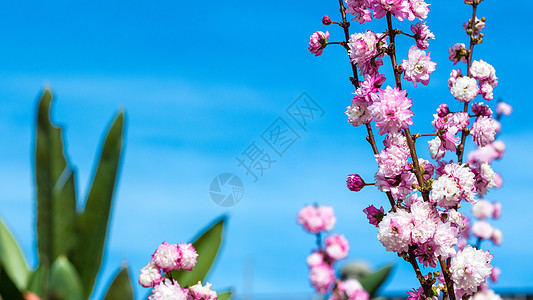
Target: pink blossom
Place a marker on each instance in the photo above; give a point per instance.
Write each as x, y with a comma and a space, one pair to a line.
354, 182
495, 274
189, 256
359, 9
374, 215
391, 110
397, 139
482, 230
457, 53
483, 131
470, 267
498, 180
167, 257
422, 35
484, 178
443, 110
455, 184
399, 187
486, 91
391, 161
480, 109
337, 247
322, 278
416, 294
370, 86
486, 294
317, 42
398, 8
350, 289
418, 9
453, 77
316, 219
314, 259
364, 49
497, 237
496, 213
199, 292
482, 209
504, 108
418, 67
445, 239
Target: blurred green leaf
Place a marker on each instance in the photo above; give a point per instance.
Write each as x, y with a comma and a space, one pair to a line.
120, 288
92, 223
8, 289
54, 179
373, 281
224, 295
11, 258
207, 245
65, 283
38, 283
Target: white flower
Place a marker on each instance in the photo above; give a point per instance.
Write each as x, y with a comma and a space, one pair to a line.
486, 295
395, 231
150, 275
470, 267
482, 70
482, 230
358, 114
464, 89
482, 209
445, 192
435, 149
166, 290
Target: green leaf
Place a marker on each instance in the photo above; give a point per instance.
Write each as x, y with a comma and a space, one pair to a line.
373, 281
54, 180
38, 283
8, 289
120, 288
11, 258
92, 223
207, 245
65, 283
224, 295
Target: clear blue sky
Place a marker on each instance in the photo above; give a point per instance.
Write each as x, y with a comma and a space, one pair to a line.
201, 81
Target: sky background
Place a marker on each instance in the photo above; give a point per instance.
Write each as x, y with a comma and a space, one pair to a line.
200, 82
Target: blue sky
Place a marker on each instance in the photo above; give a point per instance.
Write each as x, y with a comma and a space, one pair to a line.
199, 82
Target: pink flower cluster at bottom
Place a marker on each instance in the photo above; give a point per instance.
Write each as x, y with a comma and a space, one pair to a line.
166, 258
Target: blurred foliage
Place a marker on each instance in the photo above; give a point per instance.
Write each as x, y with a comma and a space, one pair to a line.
371, 281
70, 242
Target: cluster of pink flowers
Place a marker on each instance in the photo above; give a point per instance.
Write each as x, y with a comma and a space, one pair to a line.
424, 225
168, 257
321, 260
401, 9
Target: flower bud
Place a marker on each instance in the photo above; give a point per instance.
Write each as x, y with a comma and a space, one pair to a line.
326, 20
354, 182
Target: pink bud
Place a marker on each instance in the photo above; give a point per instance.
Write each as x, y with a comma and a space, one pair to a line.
354, 182
326, 20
